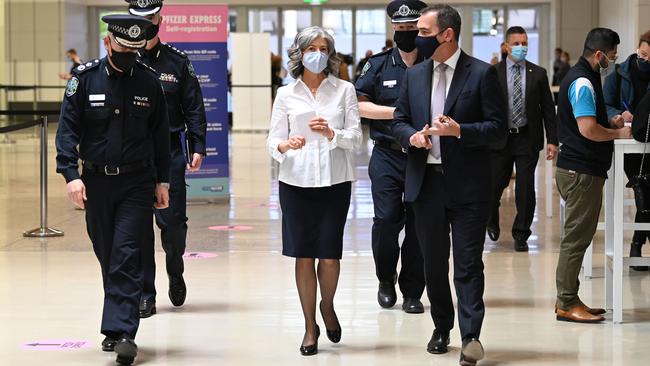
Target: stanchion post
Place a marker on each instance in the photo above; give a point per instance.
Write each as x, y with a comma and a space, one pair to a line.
43, 231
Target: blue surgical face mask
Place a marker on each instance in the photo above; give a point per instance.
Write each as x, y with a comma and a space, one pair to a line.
519, 53
315, 61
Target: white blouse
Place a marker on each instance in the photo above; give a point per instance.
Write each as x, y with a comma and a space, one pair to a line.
320, 163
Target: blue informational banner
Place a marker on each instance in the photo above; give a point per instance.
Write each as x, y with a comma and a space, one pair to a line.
201, 32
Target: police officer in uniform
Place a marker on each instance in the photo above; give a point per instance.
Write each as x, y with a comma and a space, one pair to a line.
114, 111
186, 111
378, 90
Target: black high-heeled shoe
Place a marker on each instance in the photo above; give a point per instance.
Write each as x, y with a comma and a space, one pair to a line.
312, 349
333, 335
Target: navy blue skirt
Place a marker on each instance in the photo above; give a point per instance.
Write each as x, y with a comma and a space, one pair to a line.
313, 220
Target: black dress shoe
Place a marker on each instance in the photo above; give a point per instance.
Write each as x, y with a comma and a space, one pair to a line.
412, 306
438, 343
147, 308
386, 296
521, 246
635, 251
472, 352
333, 335
126, 350
108, 344
177, 290
313, 348
493, 232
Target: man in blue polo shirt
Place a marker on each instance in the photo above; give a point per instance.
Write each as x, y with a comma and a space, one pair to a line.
586, 145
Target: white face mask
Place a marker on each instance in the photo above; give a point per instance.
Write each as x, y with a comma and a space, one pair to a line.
315, 61
606, 71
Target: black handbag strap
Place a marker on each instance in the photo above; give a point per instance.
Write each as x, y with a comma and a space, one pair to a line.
645, 146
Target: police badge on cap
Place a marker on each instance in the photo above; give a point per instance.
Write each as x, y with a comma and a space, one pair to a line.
128, 30
144, 7
405, 11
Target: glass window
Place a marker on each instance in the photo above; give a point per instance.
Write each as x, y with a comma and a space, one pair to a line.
529, 20
265, 20
338, 22
488, 30
371, 31
293, 22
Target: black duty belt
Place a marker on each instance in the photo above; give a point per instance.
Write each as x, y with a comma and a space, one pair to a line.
517, 130
390, 145
116, 169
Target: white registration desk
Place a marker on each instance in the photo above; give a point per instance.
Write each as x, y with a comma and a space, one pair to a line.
615, 226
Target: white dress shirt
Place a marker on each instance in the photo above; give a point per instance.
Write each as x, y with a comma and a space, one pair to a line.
449, 74
320, 163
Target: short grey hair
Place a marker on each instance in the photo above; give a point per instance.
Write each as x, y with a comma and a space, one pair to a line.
302, 41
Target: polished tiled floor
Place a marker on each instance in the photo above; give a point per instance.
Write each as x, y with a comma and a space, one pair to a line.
242, 307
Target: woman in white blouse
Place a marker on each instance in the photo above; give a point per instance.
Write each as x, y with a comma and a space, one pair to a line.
314, 131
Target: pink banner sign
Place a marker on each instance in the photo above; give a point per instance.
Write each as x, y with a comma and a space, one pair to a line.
195, 255
231, 228
194, 23
66, 345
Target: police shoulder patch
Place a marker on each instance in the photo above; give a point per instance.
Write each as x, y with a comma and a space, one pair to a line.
366, 68
190, 69
71, 88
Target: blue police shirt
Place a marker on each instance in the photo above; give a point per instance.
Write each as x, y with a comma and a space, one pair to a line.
380, 82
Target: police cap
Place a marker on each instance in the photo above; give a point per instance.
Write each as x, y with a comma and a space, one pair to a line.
128, 30
144, 7
405, 11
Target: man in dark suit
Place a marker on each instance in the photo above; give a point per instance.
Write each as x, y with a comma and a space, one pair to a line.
450, 108
530, 111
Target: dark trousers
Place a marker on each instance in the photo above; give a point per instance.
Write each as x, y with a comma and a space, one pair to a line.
387, 171
632, 165
117, 211
518, 153
172, 222
435, 214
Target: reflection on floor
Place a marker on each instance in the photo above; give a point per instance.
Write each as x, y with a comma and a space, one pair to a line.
242, 306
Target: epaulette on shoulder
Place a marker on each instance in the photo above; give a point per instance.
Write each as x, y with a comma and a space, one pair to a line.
147, 67
86, 66
383, 53
175, 50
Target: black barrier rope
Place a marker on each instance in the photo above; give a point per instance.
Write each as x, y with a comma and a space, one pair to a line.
30, 87
20, 126
53, 112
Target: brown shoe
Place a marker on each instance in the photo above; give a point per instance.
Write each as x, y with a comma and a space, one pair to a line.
577, 314
592, 311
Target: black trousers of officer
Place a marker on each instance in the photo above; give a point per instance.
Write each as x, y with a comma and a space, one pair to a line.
172, 222
117, 211
435, 213
518, 151
387, 171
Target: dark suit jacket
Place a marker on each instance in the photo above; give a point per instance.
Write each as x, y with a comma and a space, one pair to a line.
476, 103
540, 108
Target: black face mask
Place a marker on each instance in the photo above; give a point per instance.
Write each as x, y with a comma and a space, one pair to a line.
123, 60
405, 40
427, 46
504, 55
152, 31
